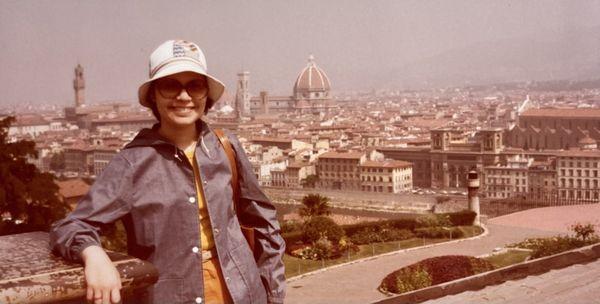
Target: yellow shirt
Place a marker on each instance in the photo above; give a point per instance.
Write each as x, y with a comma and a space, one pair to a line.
206, 236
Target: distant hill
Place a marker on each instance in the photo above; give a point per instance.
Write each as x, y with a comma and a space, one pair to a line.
573, 55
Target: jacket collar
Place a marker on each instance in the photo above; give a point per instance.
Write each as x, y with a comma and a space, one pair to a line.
150, 136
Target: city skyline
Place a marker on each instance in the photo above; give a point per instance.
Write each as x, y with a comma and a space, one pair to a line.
361, 46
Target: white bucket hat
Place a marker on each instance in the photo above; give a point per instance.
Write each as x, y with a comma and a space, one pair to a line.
176, 56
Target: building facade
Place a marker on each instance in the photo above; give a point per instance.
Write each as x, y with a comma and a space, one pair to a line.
391, 176
578, 175
340, 170
553, 128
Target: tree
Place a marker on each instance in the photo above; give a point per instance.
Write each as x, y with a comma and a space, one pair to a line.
28, 198
314, 205
319, 227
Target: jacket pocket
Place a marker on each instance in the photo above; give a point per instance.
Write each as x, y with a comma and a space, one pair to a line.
250, 278
167, 290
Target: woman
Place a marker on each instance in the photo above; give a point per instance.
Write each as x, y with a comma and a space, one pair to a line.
171, 186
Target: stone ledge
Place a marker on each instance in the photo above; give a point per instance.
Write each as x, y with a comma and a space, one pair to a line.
513, 272
30, 273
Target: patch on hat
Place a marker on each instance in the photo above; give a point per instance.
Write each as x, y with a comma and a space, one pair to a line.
182, 48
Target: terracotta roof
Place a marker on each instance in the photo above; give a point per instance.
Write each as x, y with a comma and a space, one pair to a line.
72, 188
30, 120
312, 78
565, 113
271, 139
386, 164
297, 165
579, 153
344, 155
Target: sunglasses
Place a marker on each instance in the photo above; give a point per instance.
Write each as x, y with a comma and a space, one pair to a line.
171, 88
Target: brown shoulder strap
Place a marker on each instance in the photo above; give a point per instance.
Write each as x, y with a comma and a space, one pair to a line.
224, 140
248, 232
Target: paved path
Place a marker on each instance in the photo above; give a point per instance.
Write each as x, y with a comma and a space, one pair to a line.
357, 283
577, 284
551, 218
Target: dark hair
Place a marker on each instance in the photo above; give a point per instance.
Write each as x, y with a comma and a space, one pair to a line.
152, 102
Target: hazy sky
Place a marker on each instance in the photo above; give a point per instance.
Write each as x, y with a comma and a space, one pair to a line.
42, 41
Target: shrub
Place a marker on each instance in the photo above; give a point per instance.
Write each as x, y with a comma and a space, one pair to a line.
439, 232
393, 234
290, 226
292, 238
429, 220
542, 247
365, 236
433, 271
461, 218
323, 248
380, 234
412, 280
583, 231
321, 226
404, 223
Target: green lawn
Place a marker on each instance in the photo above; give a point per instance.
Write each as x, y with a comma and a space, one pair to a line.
295, 266
508, 258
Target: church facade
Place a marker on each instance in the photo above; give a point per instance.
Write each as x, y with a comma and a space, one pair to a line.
310, 94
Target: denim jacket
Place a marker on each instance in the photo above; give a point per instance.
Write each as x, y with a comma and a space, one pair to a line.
149, 185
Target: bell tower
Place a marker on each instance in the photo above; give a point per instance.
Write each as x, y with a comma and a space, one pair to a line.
242, 95
79, 86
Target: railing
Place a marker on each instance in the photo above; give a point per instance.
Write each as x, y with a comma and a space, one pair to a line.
499, 207
30, 273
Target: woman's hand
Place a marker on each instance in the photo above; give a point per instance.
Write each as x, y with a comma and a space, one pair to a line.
103, 280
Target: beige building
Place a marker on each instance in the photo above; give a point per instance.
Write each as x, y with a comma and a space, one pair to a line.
278, 178
577, 173
340, 170
392, 176
542, 180
508, 180
296, 172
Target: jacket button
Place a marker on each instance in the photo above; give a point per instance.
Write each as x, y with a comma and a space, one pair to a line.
216, 231
195, 249
227, 279
192, 199
205, 182
198, 300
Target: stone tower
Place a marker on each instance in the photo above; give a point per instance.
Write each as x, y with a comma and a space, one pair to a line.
242, 95
79, 86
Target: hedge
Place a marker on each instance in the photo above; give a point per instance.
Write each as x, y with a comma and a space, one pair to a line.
439, 232
461, 218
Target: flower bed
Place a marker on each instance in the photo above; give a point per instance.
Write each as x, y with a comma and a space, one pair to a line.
433, 271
